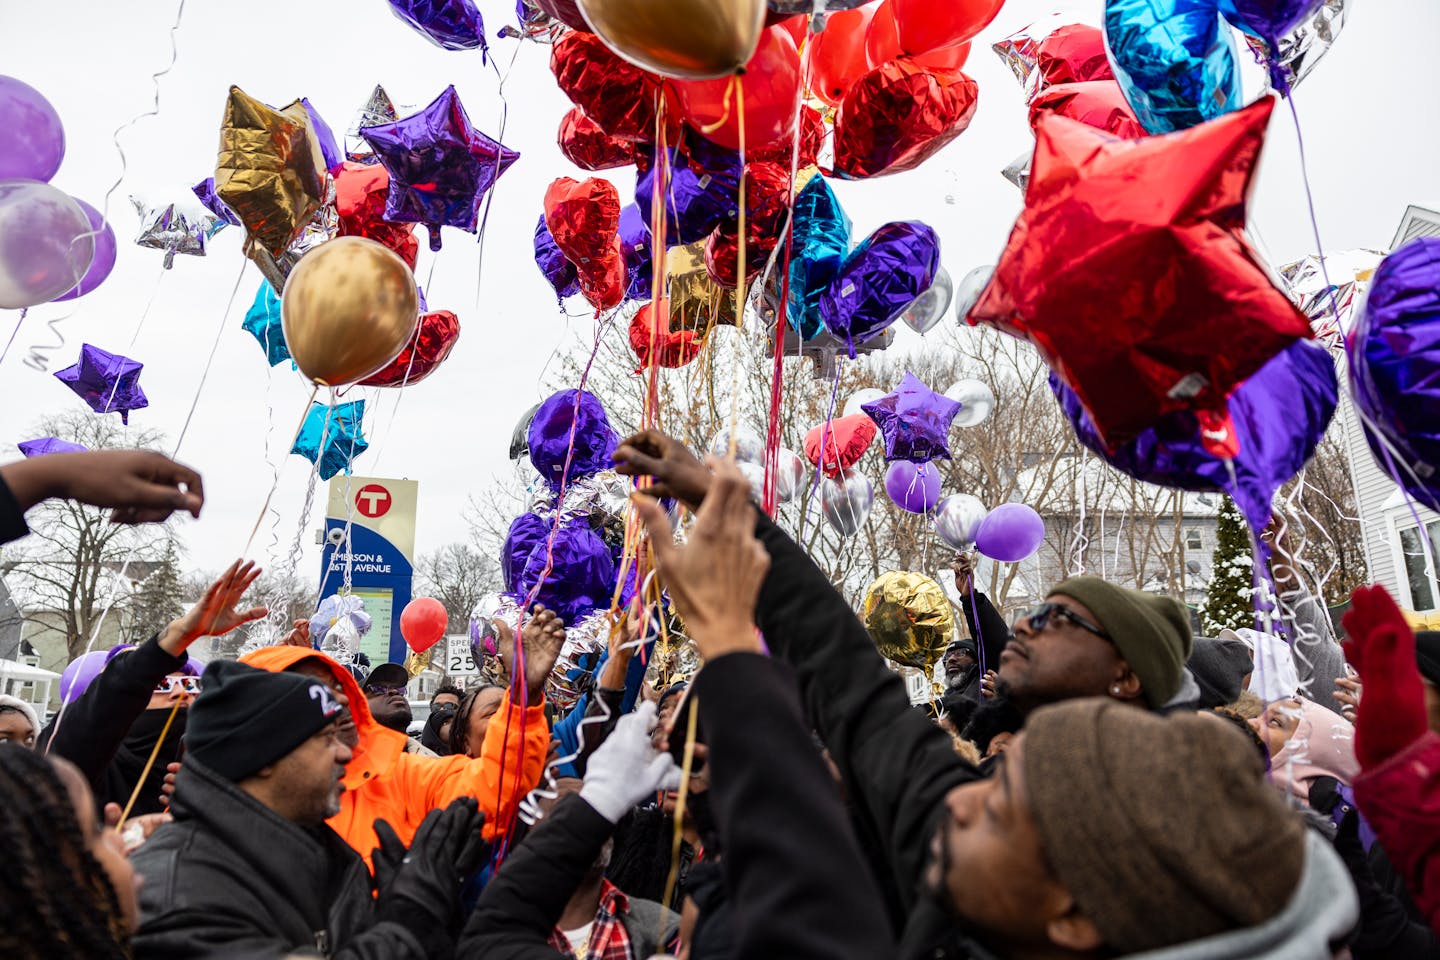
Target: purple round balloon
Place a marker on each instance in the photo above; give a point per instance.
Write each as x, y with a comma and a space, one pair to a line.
635, 243
32, 140
581, 577
104, 259
1010, 533
880, 278
567, 415
1394, 354
449, 24
554, 264
1268, 19
913, 486
526, 530
1279, 414
80, 673
697, 202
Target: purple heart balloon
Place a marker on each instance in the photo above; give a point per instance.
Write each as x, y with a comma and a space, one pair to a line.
571, 430
698, 200
554, 264
880, 278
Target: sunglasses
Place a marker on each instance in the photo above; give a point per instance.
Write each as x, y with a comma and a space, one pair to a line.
186, 684
384, 691
1039, 618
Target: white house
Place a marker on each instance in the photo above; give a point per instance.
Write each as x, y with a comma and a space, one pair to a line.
1394, 551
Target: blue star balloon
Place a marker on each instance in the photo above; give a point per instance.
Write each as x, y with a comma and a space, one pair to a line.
108, 382
440, 166
262, 320
1174, 60
331, 438
914, 421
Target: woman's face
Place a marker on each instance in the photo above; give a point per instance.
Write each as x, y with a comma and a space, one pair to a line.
1277, 724
487, 702
15, 728
105, 845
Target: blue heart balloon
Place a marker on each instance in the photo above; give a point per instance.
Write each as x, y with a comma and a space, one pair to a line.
1174, 60
821, 240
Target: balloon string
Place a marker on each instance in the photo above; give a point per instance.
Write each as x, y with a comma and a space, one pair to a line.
149, 765
290, 446
205, 374
499, 158
686, 765
739, 90
822, 457
24, 311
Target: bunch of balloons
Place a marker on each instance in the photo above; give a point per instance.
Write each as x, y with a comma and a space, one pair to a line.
52, 246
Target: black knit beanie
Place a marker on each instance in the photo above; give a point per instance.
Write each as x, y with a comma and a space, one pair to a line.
1427, 655
1152, 632
246, 718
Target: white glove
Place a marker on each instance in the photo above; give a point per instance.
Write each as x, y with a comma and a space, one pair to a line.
627, 768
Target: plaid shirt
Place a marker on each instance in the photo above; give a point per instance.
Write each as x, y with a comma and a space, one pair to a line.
608, 937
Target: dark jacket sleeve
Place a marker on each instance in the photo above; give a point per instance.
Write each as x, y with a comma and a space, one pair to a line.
799, 887
12, 518
989, 629
96, 723
524, 900
601, 715
897, 766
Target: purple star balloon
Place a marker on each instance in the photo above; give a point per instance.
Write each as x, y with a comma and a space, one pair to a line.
329, 148
108, 382
1280, 414
44, 445
440, 166
205, 190
914, 421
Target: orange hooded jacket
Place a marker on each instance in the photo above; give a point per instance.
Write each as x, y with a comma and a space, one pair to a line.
382, 781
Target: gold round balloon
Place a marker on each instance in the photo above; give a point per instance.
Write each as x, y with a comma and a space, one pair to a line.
909, 618
684, 39
349, 308
697, 302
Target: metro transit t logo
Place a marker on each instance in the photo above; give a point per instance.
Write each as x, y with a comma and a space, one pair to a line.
373, 500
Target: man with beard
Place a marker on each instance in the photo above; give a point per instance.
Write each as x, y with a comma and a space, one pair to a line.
248, 866
112, 729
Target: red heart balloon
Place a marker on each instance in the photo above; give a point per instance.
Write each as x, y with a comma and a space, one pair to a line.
898, 115
1073, 53
666, 348
590, 148
360, 190
583, 217
604, 281
434, 339
616, 94
1096, 103
812, 138
847, 442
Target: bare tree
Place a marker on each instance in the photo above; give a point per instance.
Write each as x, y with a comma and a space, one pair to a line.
76, 566
1320, 507
457, 575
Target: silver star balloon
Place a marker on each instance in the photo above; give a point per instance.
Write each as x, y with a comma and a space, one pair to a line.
179, 226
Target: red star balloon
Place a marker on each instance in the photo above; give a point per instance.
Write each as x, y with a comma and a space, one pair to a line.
1129, 269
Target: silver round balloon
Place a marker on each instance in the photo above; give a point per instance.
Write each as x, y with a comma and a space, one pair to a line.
859, 398
846, 501
790, 474
971, 286
929, 308
756, 475
749, 448
957, 517
977, 402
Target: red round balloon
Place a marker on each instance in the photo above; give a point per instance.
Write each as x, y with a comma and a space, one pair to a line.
882, 37
566, 12
665, 348
812, 138
435, 337
590, 148
897, 116
1096, 103
769, 83
848, 439
423, 623
722, 256
925, 25
360, 191
835, 57
797, 26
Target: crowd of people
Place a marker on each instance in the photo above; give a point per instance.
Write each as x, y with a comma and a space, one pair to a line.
1095, 781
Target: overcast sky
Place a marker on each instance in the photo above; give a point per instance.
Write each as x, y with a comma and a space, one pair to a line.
1368, 114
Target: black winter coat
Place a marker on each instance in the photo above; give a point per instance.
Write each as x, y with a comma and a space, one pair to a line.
12, 518
897, 766
231, 878
95, 732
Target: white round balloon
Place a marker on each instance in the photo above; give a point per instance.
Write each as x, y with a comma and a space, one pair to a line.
860, 398
790, 473
749, 448
46, 243
967, 294
976, 399
929, 308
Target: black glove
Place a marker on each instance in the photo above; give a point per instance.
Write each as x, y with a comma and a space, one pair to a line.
387, 857
422, 892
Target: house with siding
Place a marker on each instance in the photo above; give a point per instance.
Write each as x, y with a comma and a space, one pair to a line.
1392, 526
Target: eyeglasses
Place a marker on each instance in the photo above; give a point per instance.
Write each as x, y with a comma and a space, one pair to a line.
1039, 617
185, 684
384, 691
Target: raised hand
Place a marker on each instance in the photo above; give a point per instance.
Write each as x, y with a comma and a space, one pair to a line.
216, 612
299, 635
141, 485
542, 638
964, 567
715, 578
1382, 647
675, 470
